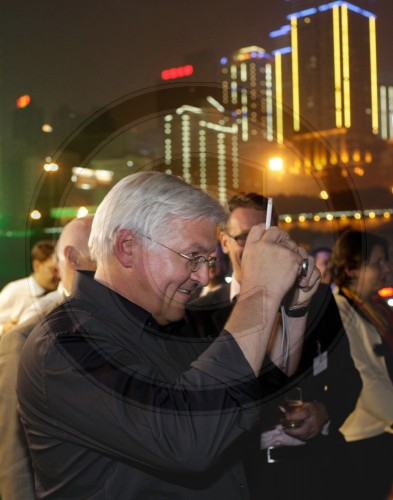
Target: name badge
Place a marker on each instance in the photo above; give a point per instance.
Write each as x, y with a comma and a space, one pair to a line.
320, 363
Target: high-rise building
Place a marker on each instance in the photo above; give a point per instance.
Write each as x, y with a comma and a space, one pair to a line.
326, 87
333, 67
314, 101
203, 148
247, 91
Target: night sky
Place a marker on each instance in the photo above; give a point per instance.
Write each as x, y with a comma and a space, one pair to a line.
88, 53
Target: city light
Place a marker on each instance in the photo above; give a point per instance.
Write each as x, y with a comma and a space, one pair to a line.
276, 164
23, 101
295, 75
374, 76
324, 195
88, 178
336, 215
284, 30
215, 103
279, 98
179, 72
35, 215
47, 128
82, 212
251, 52
51, 167
386, 292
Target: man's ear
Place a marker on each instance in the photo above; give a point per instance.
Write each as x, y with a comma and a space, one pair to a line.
123, 247
224, 242
71, 256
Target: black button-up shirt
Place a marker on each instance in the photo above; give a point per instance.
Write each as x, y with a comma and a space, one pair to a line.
113, 407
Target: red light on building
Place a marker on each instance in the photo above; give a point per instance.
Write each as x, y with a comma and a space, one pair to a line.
386, 292
23, 101
180, 72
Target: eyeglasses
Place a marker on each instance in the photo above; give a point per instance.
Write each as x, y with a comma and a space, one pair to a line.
196, 262
240, 240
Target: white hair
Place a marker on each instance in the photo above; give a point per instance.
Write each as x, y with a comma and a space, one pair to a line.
147, 203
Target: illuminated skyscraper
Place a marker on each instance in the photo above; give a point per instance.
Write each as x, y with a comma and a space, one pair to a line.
331, 51
247, 91
326, 76
203, 148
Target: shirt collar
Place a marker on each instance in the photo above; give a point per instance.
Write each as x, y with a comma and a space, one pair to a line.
130, 310
235, 288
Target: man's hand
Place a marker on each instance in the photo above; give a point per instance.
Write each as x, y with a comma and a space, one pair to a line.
304, 288
314, 416
270, 265
271, 261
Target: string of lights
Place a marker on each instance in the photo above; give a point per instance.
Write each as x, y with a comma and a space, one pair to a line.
343, 215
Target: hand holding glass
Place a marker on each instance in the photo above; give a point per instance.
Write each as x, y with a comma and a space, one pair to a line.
293, 403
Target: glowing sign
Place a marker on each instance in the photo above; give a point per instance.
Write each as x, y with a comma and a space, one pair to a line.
180, 72
23, 101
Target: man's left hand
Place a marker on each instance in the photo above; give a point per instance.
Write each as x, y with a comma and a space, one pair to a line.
301, 293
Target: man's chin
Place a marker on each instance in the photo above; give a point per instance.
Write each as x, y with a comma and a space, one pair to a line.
177, 313
172, 315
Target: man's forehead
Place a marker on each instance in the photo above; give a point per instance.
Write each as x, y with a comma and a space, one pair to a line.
246, 216
198, 232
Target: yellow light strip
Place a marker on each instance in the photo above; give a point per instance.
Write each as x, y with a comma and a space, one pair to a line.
390, 112
269, 103
374, 76
243, 72
384, 112
279, 97
295, 75
346, 76
337, 67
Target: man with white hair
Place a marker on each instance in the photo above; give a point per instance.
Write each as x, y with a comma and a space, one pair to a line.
16, 476
115, 400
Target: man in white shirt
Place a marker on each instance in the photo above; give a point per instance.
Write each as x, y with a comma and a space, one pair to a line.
18, 295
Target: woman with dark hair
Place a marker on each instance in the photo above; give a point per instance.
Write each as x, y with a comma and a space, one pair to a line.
361, 266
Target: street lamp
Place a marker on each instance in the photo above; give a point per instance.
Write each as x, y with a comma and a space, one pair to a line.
276, 164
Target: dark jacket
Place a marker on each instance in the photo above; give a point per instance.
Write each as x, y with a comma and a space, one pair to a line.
115, 407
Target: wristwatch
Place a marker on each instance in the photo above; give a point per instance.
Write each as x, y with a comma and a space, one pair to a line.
296, 312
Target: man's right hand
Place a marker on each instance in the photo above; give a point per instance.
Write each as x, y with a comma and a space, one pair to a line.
270, 262
270, 267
